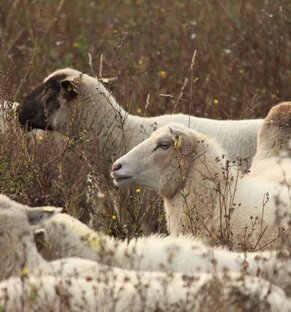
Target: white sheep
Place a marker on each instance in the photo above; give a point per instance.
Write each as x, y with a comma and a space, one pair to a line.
100, 114
74, 284
201, 293
65, 236
203, 194
75, 103
272, 160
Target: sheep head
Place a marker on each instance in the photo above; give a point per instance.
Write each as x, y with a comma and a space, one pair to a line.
49, 105
161, 162
16, 235
275, 133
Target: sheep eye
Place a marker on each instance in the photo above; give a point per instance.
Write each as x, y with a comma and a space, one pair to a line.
164, 145
52, 85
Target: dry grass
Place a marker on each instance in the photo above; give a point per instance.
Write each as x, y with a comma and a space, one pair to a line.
241, 68
243, 50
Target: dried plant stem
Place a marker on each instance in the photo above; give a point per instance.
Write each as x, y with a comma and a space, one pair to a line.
147, 104
181, 94
191, 84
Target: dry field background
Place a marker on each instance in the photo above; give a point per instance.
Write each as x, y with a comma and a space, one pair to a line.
242, 66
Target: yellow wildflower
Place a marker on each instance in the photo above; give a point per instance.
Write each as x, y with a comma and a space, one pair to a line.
216, 101
140, 62
114, 217
76, 45
163, 74
25, 271
138, 110
40, 138
137, 190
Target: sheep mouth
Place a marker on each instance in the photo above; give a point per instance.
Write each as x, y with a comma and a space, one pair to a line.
122, 181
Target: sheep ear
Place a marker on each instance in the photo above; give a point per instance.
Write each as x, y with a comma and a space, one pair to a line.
177, 137
69, 88
39, 236
40, 215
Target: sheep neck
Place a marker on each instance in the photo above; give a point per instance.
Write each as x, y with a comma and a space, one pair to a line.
23, 259
33, 259
273, 141
206, 183
107, 120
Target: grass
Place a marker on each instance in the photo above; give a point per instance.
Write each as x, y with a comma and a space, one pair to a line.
217, 59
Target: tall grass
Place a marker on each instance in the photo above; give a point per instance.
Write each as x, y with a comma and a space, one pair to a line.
241, 68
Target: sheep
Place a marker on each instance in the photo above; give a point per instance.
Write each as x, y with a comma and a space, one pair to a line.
48, 107
16, 232
272, 160
64, 236
74, 284
79, 105
209, 293
18, 246
203, 194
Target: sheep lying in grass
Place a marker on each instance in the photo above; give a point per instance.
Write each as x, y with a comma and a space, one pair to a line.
201, 293
80, 106
18, 246
64, 236
74, 284
272, 161
203, 193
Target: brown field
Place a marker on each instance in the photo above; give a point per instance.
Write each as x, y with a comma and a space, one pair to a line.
218, 59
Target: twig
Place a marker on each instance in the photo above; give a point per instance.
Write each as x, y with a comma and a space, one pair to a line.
181, 94
191, 84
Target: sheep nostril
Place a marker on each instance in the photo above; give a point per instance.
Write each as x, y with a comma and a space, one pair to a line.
116, 167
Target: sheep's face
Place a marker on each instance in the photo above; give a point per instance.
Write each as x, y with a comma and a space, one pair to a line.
161, 162
16, 236
49, 106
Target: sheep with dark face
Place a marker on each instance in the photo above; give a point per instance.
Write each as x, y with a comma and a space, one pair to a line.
79, 105
51, 106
